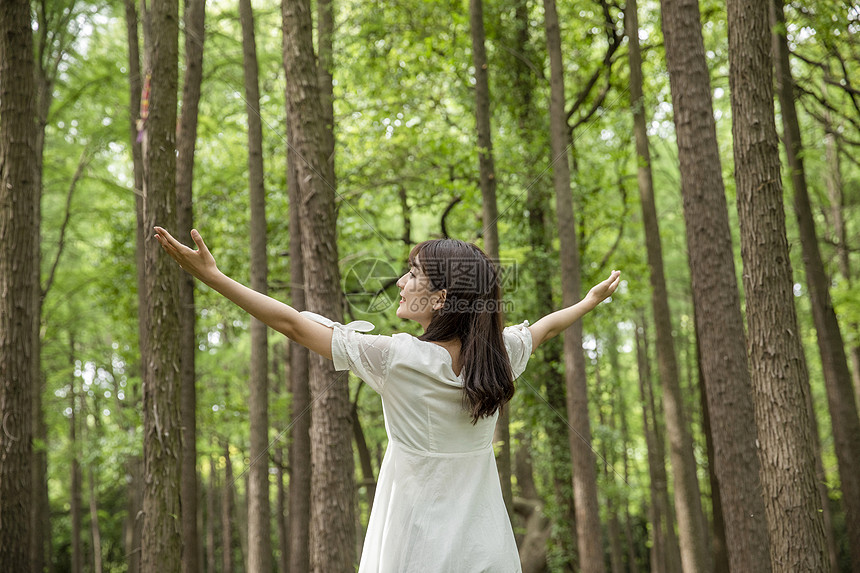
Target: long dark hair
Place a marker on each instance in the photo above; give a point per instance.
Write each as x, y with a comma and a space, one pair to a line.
472, 313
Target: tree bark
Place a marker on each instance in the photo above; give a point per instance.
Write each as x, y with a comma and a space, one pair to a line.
665, 553
162, 543
332, 489
584, 471
259, 528
75, 480
19, 237
94, 524
325, 64
837, 376
716, 298
490, 213
227, 514
194, 20
211, 517
300, 416
537, 199
776, 354
691, 521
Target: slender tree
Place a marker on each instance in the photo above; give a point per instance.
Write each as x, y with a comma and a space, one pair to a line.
300, 444
332, 489
19, 239
717, 303
487, 175
540, 242
259, 535
194, 20
776, 354
161, 544
584, 470
831, 346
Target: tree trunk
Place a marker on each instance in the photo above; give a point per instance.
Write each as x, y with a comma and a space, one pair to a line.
227, 514
300, 444
325, 64
94, 524
19, 238
776, 354
283, 529
831, 347
691, 520
490, 213
363, 456
211, 516
665, 553
537, 199
259, 528
300, 416
584, 471
719, 547
76, 478
194, 20
833, 179
162, 542
716, 299
332, 489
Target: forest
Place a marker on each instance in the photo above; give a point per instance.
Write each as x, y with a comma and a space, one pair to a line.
703, 419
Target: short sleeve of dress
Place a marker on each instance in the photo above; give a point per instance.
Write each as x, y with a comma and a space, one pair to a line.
518, 343
366, 355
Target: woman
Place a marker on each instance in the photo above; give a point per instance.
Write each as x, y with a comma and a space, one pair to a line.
438, 506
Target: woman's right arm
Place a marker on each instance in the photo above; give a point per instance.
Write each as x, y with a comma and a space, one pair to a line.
279, 316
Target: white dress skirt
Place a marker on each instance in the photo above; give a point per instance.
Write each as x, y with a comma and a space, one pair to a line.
438, 506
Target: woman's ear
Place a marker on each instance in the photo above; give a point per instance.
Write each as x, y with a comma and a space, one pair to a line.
441, 301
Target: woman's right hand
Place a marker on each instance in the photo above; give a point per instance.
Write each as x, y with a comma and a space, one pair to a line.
200, 263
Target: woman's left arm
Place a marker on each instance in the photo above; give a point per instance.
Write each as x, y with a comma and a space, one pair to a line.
557, 322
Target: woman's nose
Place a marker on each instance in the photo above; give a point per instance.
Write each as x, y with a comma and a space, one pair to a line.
400, 282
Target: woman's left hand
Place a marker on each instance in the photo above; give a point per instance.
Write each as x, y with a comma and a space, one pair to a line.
604, 290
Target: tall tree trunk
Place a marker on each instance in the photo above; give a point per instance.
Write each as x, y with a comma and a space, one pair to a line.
300, 417
537, 199
833, 179
259, 524
94, 524
325, 64
75, 477
332, 511
227, 514
135, 485
776, 354
691, 520
490, 212
19, 238
581, 455
719, 547
831, 346
194, 20
283, 529
162, 542
665, 553
716, 300
211, 516
363, 455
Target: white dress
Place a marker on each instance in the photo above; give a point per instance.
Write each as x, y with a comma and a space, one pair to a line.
438, 506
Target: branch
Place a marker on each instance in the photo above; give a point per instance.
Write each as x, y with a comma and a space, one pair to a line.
79, 172
445, 214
